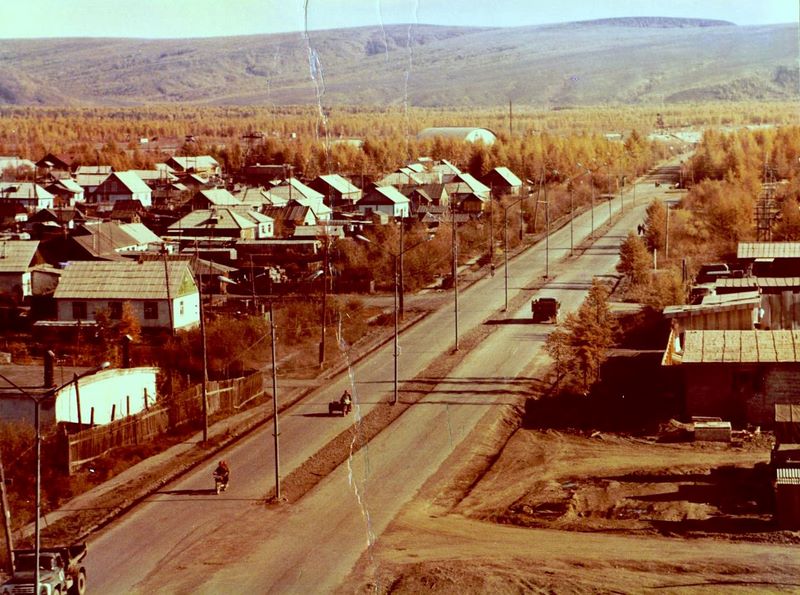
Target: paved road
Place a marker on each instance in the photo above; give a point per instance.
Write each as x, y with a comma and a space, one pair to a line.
185, 539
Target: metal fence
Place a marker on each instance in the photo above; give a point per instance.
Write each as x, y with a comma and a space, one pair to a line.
225, 397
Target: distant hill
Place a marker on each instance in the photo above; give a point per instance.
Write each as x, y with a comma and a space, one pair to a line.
633, 60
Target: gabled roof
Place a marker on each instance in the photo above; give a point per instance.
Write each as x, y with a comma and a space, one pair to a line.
17, 255
195, 162
67, 184
104, 238
141, 233
130, 180
446, 168
294, 213
510, 178
90, 179
339, 183
23, 190
219, 197
218, 218
319, 207
474, 185
384, 195
290, 188
125, 279
154, 175
93, 170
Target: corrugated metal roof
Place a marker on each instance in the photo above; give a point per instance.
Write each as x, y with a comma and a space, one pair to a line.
130, 180
21, 190
741, 346
508, 175
213, 218
787, 476
754, 282
141, 233
477, 187
16, 255
738, 301
340, 183
220, 197
121, 280
768, 250
196, 162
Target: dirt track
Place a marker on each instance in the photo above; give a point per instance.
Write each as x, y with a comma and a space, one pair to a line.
602, 514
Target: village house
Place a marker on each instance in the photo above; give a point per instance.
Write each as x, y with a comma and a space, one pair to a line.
240, 224
384, 199
26, 195
162, 295
769, 259
204, 165
288, 218
122, 185
17, 258
67, 192
52, 164
736, 375
339, 192
502, 181
107, 240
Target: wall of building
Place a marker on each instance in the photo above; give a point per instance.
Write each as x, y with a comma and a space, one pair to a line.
740, 393
185, 310
110, 390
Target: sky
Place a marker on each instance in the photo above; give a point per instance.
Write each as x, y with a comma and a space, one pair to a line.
211, 18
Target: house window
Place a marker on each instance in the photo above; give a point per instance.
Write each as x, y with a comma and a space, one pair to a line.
79, 310
115, 310
181, 308
151, 310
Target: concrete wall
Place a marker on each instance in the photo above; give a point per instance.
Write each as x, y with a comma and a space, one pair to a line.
107, 390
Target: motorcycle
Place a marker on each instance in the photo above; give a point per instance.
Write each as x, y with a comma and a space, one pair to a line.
220, 483
339, 407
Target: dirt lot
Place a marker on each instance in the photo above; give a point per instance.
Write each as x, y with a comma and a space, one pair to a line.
562, 512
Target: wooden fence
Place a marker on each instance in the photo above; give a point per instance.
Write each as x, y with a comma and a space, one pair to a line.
225, 397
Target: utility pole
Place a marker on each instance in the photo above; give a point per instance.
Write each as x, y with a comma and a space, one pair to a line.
6, 520
547, 235
324, 314
455, 273
402, 287
205, 363
275, 432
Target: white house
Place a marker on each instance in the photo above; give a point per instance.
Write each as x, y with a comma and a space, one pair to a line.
161, 295
462, 133
17, 257
384, 199
27, 194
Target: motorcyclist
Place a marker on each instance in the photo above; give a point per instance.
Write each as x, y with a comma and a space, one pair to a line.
346, 400
222, 473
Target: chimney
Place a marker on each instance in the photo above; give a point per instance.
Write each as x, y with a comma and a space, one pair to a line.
49, 373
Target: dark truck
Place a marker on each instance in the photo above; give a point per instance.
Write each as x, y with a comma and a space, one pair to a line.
60, 571
545, 309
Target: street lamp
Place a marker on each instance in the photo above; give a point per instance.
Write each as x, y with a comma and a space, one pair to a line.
37, 400
505, 246
591, 182
396, 259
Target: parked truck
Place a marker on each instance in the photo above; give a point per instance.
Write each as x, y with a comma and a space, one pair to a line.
60, 571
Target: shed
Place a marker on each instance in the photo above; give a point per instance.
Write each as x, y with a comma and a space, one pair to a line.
712, 431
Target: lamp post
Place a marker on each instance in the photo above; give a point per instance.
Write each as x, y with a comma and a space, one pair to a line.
455, 274
396, 271
591, 183
505, 247
37, 401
